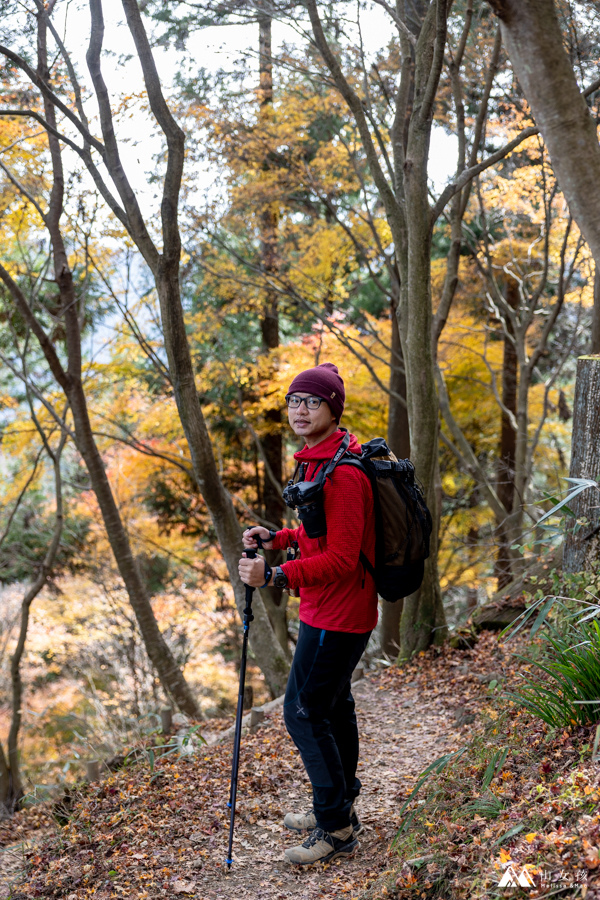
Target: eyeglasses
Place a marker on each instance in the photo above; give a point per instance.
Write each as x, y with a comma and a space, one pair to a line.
294, 401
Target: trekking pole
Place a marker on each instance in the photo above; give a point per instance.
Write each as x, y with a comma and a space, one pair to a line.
250, 554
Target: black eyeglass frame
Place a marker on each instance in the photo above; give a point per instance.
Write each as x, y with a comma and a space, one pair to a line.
303, 400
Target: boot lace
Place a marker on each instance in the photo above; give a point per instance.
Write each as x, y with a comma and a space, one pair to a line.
316, 835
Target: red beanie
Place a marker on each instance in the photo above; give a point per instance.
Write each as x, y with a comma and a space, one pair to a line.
323, 381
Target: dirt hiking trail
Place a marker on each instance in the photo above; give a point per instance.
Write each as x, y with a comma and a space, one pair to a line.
161, 830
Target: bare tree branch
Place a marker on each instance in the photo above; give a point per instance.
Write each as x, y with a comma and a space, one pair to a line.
22, 190
470, 173
22, 493
135, 220
44, 341
44, 88
173, 133
356, 106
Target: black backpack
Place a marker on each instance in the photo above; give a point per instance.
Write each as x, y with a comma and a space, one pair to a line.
402, 520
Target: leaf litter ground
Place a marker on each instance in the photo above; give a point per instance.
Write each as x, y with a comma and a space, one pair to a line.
162, 832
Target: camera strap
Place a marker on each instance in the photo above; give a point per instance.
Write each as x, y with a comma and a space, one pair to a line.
342, 449
323, 470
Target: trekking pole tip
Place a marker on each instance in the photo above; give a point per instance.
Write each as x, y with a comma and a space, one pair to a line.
228, 861
228, 804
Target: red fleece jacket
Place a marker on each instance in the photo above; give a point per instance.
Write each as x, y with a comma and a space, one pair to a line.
336, 592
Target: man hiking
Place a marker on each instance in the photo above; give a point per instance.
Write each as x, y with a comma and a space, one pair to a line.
338, 611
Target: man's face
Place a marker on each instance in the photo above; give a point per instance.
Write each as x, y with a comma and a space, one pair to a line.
311, 424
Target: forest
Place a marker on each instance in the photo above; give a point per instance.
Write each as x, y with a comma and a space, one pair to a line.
201, 199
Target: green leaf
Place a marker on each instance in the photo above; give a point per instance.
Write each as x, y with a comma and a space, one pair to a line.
510, 833
438, 765
494, 766
581, 484
523, 617
542, 615
596, 745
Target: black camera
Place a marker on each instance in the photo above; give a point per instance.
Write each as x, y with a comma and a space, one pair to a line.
306, 497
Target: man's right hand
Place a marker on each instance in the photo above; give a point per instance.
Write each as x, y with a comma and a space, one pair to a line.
249, 539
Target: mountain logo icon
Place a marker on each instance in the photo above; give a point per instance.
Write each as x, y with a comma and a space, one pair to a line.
511, 878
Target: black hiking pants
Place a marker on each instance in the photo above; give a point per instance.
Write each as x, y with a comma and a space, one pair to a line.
320, 718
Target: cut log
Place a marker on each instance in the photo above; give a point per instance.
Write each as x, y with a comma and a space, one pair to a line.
508, 604
497, 617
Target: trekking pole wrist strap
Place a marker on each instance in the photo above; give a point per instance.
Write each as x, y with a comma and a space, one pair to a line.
268, 573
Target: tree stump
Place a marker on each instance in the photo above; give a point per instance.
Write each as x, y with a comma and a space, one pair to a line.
248, 696
582, 543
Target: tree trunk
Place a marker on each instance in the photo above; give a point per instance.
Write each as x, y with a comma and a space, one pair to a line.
269, 323
5, 785
11, 784
165, 268
595, 348
423, 617
582, 544
398, 438
266, 648
391, 615
505, 487
405, 199
171, 676
398, 435
532, 36
272, 442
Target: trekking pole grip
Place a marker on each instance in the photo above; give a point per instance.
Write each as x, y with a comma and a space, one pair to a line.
251, 554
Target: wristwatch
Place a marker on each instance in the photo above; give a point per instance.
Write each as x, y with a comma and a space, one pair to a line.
280, 579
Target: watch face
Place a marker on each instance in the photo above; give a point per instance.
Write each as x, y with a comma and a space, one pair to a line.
280, 580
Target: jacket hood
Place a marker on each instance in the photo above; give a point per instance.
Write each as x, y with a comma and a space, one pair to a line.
326, 449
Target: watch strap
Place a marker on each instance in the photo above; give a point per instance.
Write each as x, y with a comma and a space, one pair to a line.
268, 573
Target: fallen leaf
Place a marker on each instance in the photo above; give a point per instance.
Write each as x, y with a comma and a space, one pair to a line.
184, 887
591, 855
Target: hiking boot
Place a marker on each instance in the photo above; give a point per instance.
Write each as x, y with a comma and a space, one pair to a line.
321, 847
307, 821
300, 821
